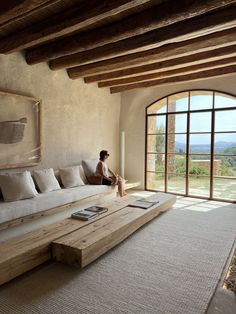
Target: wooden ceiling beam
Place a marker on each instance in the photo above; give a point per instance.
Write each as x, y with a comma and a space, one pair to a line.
171, 64
171, 51
177, 79
177, 32
164, 74
193, 27
12, 10
76, 18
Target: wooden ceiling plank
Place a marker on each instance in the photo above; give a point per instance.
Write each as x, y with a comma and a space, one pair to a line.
193, 27
177, 32
171, 51
166, 64
11, 10
177, 79
76, 18
170, 73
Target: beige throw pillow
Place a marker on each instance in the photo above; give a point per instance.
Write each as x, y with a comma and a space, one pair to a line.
70, 177
82, 174
89, 167
46, 180
17, 186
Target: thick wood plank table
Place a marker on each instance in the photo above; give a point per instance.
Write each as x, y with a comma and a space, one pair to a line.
23, 253
83, 246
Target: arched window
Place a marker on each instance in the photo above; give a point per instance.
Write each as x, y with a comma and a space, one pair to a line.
191, 145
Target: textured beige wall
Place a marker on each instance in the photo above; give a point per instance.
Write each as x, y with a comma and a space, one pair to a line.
78, 119
132, 119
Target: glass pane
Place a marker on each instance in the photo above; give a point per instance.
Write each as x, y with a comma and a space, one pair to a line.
199, 165
200, 122
159, 107
156, 181
176, 183
225, 120
199, 186
201, 100
156, 143
223, 101
177, 123
177, 143
225, 166
157, 124
225, 143
200, 143
224, 188
156, 162
178, 102
176, 164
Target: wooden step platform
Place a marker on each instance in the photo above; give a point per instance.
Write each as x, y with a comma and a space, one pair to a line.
83, 246
23, 253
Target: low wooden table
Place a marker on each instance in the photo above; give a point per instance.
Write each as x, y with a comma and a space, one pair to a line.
83, 246
74, 241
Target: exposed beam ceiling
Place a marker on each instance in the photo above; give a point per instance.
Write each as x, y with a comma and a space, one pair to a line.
204, 43
176, 63
177, 79
124, 44
11, 10
77, 18
185, 29
183, 70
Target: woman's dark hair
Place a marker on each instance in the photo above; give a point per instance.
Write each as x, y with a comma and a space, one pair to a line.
103, 153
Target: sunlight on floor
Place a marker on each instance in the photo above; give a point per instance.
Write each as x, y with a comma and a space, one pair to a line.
189, 203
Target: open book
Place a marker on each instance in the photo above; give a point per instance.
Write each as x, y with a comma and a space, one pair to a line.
143, 203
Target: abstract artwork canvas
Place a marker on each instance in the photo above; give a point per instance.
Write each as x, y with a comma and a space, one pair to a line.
20, 131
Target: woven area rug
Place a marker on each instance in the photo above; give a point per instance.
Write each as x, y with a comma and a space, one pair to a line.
172, 265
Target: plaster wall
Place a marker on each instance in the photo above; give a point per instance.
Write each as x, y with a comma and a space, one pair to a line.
78, 119
132, 118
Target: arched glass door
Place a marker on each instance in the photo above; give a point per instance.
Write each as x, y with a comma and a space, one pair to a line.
191, 145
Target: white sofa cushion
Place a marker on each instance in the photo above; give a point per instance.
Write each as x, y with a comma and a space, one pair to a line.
46, 180
70, 177
17, 186
45, 201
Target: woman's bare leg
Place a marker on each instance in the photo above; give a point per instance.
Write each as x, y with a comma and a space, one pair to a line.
121, 187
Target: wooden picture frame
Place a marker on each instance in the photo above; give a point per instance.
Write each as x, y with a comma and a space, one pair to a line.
20, 130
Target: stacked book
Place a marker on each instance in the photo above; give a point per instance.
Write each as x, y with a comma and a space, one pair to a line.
89, 213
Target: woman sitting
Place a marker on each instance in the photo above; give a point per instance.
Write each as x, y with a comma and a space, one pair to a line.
108, 177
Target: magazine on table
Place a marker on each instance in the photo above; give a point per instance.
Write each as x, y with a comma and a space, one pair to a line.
89, 213
143, 203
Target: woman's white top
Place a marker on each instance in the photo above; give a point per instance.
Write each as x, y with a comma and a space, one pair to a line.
102, 169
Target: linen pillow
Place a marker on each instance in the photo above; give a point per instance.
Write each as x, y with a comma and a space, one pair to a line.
58, 177
70, 177
82, 174
17, 186
46, 180
89, 167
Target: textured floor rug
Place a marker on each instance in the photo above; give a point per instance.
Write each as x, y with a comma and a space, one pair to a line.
172, 265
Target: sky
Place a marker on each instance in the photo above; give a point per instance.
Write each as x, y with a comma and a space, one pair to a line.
201, 122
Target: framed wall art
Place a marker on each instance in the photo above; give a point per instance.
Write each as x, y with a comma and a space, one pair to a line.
20, 131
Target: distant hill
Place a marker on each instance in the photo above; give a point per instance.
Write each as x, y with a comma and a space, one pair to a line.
204, 148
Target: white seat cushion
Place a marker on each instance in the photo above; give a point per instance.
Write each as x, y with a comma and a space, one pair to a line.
14, 210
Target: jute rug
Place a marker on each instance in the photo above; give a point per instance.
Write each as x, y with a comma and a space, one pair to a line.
172, 265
